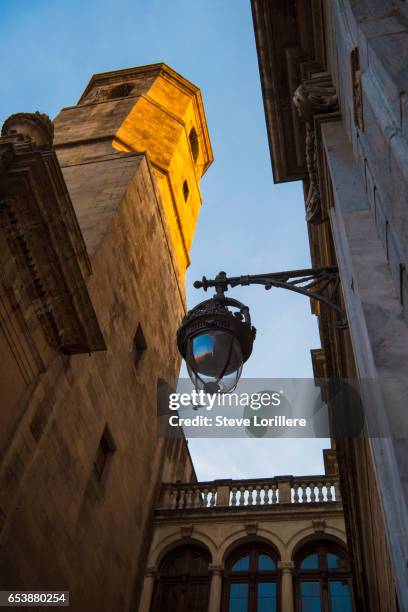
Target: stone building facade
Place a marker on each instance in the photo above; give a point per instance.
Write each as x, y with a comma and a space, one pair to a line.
334, 80
277, 544
97, 215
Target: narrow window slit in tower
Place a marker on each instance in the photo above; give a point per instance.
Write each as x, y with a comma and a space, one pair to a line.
139, 346
193, 137
186, 190
104, 452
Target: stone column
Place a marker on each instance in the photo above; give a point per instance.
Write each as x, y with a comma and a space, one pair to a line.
147, 592
216, 587
286, 568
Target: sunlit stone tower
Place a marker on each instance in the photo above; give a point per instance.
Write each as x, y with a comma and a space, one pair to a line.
93, 262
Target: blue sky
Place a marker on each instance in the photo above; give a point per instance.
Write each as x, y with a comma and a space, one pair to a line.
51, 48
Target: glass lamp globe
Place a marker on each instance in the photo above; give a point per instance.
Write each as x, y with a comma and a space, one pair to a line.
215, 339
214, 361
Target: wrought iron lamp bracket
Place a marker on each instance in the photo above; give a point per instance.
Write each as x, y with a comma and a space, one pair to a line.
320, 284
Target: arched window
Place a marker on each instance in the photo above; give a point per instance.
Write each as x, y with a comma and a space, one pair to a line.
193, 138
183, 581
323, 579
251, 582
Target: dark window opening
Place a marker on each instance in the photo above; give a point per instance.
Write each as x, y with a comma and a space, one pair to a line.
120, 91
193, 137
186, 190
139, 346
184, 583
103, 454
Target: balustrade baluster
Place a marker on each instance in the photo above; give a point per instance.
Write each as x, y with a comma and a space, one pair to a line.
213, 494
319, 496
189, 498
274, 499
329, 492
205, 497
242, 496
198, 502
296, 493
181, 499
266, 495
250, 495
312, 492
258, 490
234, 496
173, 500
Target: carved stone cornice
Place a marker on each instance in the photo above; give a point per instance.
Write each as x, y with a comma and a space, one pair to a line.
44, 240
288, 35
314, 97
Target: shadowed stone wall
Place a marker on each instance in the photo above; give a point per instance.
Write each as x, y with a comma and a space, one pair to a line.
82, 468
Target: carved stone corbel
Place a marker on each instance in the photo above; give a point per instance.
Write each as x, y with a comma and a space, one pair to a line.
313, 97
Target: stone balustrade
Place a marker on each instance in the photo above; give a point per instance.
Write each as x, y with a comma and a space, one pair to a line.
250, 493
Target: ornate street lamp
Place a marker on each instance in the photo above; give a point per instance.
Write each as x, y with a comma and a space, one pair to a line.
216, 337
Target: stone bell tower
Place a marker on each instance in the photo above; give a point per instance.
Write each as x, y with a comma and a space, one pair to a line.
153, 110
95, 232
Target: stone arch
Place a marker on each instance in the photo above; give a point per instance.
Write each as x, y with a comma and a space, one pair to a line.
308, 535
174, 540
241, 536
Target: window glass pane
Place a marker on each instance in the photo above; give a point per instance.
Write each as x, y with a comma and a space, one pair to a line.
242, 565
340, 599
238, 597
265, 562
310, 596
266, 597
334, 561
310, 562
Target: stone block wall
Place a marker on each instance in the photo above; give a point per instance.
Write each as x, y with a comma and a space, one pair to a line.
62, 526
380, 33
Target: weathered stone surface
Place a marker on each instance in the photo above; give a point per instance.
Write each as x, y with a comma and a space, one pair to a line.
61, 525
160, 100
365, 191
